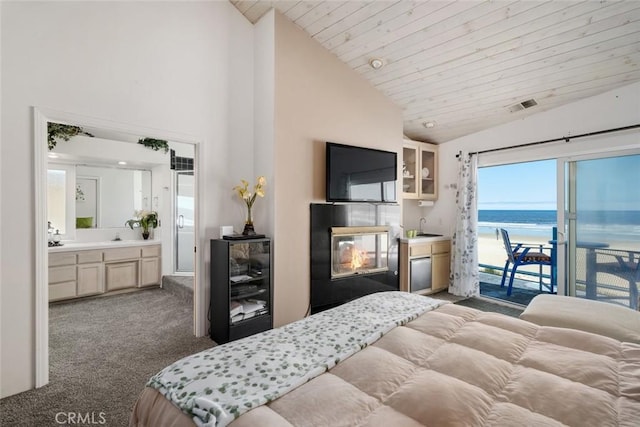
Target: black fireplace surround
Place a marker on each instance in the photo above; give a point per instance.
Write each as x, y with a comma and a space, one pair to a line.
326, 292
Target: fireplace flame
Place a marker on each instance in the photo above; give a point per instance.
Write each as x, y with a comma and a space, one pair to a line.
358, 258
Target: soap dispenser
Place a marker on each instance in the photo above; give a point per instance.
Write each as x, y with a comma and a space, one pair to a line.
56, 238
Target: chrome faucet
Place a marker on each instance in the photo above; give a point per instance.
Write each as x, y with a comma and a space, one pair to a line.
422, 220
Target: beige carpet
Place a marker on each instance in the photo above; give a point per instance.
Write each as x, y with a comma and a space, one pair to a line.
102, 352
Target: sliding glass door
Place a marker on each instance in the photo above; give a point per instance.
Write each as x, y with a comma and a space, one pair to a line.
599, 228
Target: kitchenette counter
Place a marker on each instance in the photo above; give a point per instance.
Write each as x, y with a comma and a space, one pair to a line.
424, 239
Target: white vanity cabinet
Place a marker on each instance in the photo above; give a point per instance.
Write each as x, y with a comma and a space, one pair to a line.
121, 268
90, 279
150, 266
78, 273
121, 275
89, 273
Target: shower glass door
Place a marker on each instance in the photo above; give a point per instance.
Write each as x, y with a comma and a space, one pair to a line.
184, 232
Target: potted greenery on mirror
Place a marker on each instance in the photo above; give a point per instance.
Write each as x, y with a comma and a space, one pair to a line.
155, 144
59, 131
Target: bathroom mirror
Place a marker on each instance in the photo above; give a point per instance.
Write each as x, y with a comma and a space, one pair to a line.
86, 196
108, 176
107, 197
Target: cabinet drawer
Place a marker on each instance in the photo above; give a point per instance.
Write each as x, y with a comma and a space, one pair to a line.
441, 247
150, 251
62, 274
420, 250
121, 275
62, 290
121, 254
64, 258
86, 257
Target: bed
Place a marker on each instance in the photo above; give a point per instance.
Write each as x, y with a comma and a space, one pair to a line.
398, 359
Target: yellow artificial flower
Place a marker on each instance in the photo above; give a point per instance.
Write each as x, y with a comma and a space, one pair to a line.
246, 195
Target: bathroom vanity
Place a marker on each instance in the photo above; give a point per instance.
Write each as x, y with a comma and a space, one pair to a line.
83, 269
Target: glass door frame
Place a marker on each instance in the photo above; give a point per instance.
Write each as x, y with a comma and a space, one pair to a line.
566, 215
176, 222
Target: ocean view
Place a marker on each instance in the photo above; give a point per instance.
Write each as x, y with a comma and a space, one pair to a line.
600, 225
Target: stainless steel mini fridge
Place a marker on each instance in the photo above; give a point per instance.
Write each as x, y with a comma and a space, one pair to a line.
420, 274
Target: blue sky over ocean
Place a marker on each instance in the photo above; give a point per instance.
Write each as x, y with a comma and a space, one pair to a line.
522, 198
603, 184
520, 186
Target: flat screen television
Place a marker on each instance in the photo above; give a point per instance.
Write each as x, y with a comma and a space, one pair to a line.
358, 174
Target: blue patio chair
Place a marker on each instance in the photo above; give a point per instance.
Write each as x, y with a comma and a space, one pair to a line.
521, 254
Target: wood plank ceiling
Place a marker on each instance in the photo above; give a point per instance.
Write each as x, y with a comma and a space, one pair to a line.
466, 66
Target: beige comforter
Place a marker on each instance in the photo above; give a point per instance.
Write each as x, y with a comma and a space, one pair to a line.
456, 366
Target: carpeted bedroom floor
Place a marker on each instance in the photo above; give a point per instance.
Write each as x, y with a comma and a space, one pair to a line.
103, 350
483, 305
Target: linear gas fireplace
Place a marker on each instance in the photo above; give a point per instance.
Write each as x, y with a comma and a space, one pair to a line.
359, 250
354, 251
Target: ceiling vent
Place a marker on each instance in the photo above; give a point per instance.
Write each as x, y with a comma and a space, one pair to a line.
523, 105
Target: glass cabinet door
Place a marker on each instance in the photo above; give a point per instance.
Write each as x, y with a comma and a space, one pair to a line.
410, 165
249, 277
427, 174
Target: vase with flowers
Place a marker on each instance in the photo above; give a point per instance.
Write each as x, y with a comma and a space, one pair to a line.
145, 220
249, 198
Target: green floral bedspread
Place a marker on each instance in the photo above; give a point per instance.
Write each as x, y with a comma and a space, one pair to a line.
217, 385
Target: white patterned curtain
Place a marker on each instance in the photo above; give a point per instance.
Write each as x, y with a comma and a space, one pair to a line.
464, 279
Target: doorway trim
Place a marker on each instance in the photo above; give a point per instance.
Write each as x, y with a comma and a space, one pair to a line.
41, 116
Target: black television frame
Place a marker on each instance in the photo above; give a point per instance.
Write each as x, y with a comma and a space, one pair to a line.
357, 148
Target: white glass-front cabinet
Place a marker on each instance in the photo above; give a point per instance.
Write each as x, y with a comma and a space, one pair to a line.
419, 170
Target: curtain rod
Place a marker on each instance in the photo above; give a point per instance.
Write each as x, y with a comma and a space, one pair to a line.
564, 138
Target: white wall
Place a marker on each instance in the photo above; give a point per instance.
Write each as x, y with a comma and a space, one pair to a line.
183, 67
613, 109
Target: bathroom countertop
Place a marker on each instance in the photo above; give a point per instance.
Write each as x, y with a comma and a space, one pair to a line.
76, 246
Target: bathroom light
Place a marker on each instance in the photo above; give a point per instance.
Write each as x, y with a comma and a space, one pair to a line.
122, 163
376, 63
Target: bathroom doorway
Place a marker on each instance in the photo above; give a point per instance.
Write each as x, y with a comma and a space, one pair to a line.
183, 202
159, 196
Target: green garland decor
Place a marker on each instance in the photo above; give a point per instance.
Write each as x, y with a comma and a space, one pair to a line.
155, 144
57, 131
